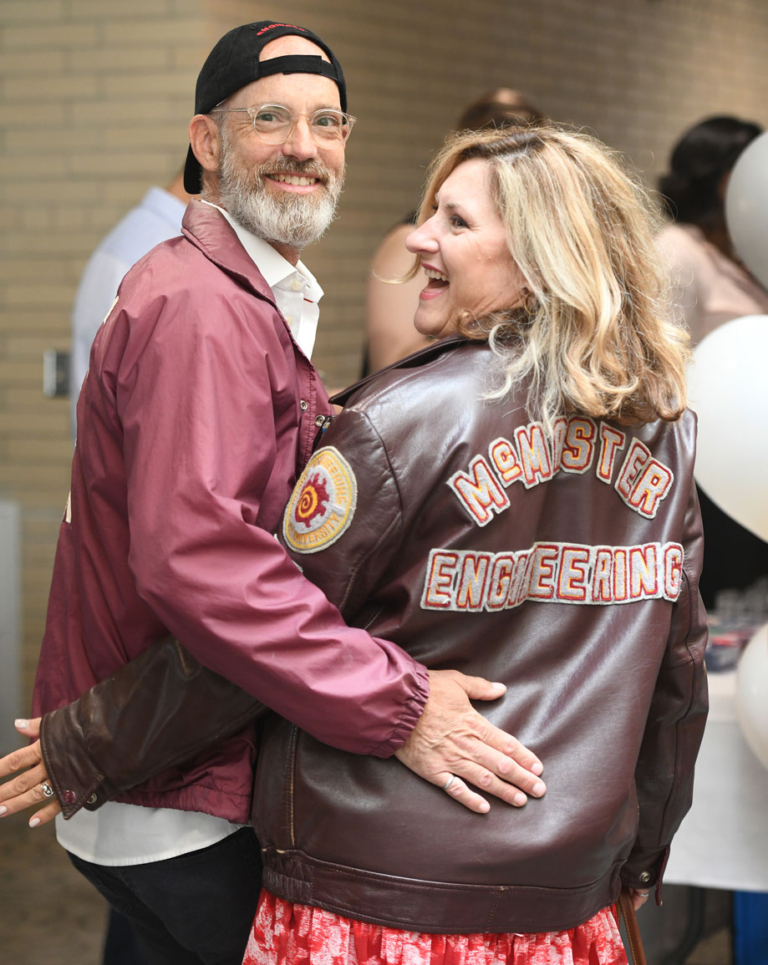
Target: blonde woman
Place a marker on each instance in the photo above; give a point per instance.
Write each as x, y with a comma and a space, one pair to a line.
516, 502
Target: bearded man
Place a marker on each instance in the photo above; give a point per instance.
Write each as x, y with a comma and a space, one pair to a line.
199, 409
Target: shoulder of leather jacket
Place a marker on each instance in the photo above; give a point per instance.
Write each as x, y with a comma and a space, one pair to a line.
418, 359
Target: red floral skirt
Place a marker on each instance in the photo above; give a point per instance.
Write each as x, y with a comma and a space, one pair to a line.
287, 934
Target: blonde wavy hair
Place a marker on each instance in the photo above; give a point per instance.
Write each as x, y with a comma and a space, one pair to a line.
595, 336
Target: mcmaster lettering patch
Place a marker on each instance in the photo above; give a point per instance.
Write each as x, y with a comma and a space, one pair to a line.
577, 445
322, 504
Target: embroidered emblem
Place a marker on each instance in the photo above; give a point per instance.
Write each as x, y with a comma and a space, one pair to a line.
322, 504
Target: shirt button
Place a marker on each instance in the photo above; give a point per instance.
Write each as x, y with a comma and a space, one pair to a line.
68, 797
645, 877
296, 285
289, 319
303, 405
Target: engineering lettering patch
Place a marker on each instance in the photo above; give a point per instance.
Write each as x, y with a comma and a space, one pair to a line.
469, 581
322, 504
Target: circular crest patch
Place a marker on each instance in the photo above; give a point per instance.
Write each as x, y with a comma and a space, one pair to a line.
322, 504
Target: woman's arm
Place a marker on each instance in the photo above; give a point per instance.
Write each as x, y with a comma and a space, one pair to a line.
158, 710
664, 773
390, 308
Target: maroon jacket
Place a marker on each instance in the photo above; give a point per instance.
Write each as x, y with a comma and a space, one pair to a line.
197, 414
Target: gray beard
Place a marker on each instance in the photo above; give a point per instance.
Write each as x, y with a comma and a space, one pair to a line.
287, 219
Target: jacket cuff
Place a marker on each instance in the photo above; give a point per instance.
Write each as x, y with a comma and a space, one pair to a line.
413, 710
73, 774
645, 870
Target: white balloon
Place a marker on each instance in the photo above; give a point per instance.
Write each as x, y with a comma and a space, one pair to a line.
752, 694
728, 389
746, 207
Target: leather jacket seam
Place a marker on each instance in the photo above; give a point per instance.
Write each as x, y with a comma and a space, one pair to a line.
292, 785
331, 868
691, 662
397, 522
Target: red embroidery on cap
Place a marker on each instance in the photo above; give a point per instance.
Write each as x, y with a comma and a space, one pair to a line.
273, 25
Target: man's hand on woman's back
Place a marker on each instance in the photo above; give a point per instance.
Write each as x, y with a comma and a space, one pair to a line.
452, 745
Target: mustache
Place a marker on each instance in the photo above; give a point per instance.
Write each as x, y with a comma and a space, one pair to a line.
282, 164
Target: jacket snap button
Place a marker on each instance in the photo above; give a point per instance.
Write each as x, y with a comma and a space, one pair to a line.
320, 421
645, 877
68, 797
303, 405
92, 799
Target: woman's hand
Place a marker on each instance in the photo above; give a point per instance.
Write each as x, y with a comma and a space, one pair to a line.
26, 789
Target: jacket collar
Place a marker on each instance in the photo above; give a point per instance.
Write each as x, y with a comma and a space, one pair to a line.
207, 229
409, 362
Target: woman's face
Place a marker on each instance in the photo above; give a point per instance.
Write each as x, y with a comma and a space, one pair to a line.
463, 250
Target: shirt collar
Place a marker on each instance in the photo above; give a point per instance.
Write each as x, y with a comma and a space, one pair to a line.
275, 269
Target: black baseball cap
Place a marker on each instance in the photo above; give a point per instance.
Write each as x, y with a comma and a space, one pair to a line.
234, 63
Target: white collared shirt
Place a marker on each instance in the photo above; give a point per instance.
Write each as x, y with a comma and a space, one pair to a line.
296, 290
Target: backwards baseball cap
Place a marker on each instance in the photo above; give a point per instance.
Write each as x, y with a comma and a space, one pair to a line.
234, 63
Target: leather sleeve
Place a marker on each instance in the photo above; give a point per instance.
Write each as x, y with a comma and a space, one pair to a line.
348, 568
675, 726
158, 710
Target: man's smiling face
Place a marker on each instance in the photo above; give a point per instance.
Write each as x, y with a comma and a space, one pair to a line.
285, 193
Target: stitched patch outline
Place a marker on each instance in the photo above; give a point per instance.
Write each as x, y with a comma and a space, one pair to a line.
322, 504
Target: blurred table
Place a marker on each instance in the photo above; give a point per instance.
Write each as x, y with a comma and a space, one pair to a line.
723, 840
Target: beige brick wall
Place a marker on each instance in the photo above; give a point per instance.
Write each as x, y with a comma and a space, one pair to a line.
97, 94
96, 99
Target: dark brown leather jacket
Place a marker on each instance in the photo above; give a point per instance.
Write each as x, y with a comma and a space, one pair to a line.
566, 569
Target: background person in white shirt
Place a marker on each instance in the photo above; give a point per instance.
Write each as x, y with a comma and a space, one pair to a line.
155, 218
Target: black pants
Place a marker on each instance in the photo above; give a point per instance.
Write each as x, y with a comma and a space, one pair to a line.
121, 947
196, 909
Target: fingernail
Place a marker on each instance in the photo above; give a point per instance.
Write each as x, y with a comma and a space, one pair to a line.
537, 768
3, 810
33, 822
21, 724
538, 788
520, 799
485, 807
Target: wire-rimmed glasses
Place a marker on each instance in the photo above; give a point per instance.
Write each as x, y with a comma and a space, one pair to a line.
275, 124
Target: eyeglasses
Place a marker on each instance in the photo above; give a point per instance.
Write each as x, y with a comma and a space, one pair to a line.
275, 124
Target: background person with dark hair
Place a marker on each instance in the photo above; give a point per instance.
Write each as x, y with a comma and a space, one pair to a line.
710, 285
